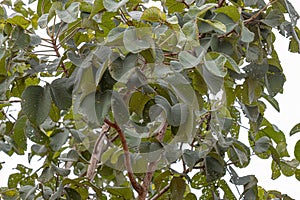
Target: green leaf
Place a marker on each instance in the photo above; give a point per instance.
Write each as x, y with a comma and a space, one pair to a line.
58, 139
121, 68
43, 21
70, 14
60, 171
231, 11
19, 138
61, 93
96, 8
275, 80
124, 192
295, 129
27, 192
274, 18
35, 134
36, 103
297, 151
215, 63
246, 35
174, 6
136, 39
112, 5
216, 24
214, 167
73, 194
19, 20
275, 170
262, 144
177, 188
228, 194
154, 14
272, 101
47, 175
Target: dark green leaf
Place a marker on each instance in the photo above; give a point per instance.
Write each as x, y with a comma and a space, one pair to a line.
61, 93
58, 139
36, 103
177, 188
297, 151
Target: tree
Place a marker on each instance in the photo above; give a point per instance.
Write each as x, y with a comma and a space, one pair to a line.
120, 100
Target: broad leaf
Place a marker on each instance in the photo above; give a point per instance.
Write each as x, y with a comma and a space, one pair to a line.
112, 5
70, 14
36, 103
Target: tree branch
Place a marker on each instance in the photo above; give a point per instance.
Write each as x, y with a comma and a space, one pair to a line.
128, 166
259, 12
152, 166
220, 4
99, 148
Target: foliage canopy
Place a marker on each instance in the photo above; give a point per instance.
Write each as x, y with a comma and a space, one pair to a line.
115, 96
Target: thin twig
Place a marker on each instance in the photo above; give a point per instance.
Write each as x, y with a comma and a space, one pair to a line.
259, 12
161, 192
128, 166
220, 4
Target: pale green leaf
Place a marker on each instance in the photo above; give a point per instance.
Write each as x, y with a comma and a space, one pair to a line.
70, 14
246, 35
112, 5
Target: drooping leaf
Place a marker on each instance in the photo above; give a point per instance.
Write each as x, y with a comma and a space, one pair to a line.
36, 103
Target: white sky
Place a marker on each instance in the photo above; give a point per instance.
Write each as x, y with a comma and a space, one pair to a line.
289, 103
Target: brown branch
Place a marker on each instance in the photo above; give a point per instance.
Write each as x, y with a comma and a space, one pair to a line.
152, 166
58, 55
220, 4
128, 166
